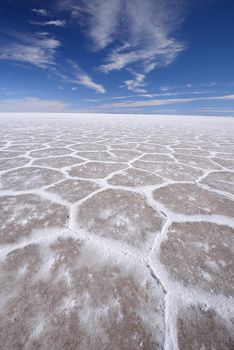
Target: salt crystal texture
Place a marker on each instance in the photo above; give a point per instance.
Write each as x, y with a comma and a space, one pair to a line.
116, 232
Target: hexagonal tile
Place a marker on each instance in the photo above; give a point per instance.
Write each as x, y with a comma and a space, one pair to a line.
120, 215
95, 170
74, 190
172, 171
134, 177
200, 254
48, 152
9, 163
189, 199
58, 162
29, 178
20, 215
60, 292
222, 181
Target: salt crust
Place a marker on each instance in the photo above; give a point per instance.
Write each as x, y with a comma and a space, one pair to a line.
142, 161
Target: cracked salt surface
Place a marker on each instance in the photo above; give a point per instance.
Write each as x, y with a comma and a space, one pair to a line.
116, 232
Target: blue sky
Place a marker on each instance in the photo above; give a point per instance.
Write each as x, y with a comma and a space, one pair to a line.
141, 56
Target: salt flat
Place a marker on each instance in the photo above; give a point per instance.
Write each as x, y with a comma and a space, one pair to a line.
116, 232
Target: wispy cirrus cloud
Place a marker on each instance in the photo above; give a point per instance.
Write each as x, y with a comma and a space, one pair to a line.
142, 30
74, 74
40, 50
41, 12
166, 101
56, 23
140, 34
137, 84
226, 97
84, 79
36, 49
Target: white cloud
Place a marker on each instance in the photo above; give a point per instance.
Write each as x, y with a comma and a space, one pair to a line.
226, 97
137, 84
100, 17
163, 55
76, 75
144, 29
139, 33
56, 23
37, 49
166, 101
42, 12
32, 104
150, 103
84, 79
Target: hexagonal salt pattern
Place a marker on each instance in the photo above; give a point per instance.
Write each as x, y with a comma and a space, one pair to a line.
74, 190
120, 215
9, 163
94, 170
116, 232
58, 162
20, 215
134, 177
6, 154
28, 178
172, 171
50, 152
63, 295
221, 181
200, 162
190, 199
200, 254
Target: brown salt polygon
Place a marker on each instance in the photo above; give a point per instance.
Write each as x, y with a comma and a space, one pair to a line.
88, 147
199, 327
222, 181
20, 215
124, 145
95, 170
48, 152
7, 154
134, 177
58, 162
192, 152
189, 199
74, 190
29, 178
157, 157
96, 156
24, 147
9, 163
125, 155
151, 148
77, 305
120, 215
200, 254
200, 162
172, 171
